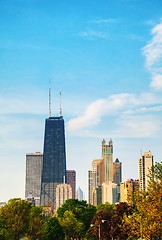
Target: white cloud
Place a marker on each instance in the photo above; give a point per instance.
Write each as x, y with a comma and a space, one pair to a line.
113, 106
96, 110
153, 54
157, 82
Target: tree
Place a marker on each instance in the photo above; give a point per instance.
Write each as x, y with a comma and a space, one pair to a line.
2, 231
36, 223
108, 220
53, 230
73, 205
102, 222
72, 227
14, 218
120, 210
147, 215
82, 211
105, 207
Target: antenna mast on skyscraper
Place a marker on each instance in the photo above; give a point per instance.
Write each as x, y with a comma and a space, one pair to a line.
49, 98
60, 110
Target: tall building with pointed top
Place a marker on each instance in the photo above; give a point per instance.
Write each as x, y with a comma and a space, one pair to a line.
54, 159
107, 155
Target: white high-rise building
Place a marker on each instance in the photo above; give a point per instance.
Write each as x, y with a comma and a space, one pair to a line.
145, 164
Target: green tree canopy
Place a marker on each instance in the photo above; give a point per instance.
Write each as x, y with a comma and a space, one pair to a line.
105, 207
14, 218
72, 227
82, 211
36, 223
53, 230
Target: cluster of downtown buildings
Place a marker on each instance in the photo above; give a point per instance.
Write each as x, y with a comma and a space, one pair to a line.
105, 177
48, 182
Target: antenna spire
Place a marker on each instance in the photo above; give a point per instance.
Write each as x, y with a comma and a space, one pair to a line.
60, 110
49, 98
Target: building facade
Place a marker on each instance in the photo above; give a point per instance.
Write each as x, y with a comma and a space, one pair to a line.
93, 179
109, 192
92, 183
34, 163
97, 196
117, 171
71, 180
100, 172
63, 192
127, 188
107, 155
117, 176
54, 159
146, 161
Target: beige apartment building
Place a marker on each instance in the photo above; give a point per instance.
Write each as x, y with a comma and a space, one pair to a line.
127, 188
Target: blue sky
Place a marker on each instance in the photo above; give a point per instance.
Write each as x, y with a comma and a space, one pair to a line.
106, 58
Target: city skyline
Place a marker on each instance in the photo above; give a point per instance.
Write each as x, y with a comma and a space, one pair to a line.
105, 57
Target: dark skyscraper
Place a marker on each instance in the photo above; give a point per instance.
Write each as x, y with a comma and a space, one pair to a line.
54, 159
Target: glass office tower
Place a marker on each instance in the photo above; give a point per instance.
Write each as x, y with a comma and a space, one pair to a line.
54, 159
